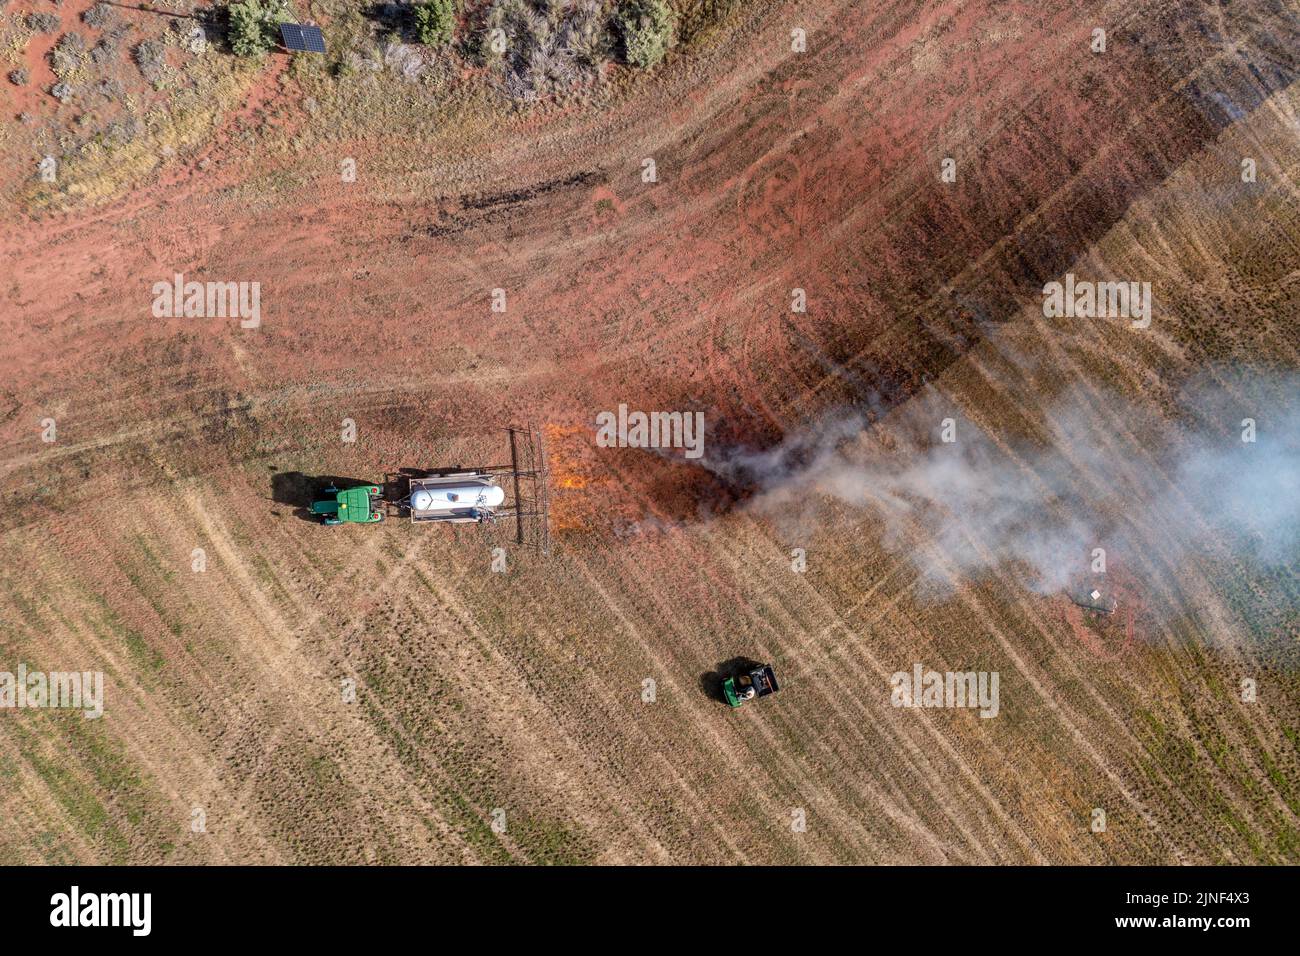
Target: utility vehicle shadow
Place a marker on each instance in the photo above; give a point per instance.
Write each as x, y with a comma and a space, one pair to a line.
711, 681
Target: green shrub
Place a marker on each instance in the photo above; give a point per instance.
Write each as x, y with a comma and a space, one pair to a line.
255, 25
435, 22
646, 27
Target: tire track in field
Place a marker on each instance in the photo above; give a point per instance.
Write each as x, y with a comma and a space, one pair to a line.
132, 726
745, 565
389, 588
893, 810
653, 741
303, 689
1060, 711
844, 692
905, 747
1131, 450
465, 618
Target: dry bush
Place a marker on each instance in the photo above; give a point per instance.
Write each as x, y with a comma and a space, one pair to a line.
699, 19
108, 46
585, 36
98, 16
407, 61
42, 22
68, 54
552, 47
111, 89
151, 58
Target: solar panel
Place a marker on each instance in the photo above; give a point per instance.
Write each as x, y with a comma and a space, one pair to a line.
302, 36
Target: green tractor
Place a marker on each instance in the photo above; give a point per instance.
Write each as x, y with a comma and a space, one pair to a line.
360, 505
757, 682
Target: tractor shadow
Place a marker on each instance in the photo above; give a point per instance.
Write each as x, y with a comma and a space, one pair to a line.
297, 491
711, 681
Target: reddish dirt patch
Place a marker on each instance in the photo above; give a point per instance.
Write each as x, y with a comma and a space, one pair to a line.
522, 689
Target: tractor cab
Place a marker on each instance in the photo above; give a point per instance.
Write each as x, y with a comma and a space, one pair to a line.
362, 505
759, 682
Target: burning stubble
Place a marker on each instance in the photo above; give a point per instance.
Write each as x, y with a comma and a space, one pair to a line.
1225, 475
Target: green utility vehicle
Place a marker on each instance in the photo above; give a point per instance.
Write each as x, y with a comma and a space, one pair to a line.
361, 505
759, 682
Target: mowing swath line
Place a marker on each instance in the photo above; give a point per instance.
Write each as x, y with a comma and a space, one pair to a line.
735, 766
830, 666
271, 624
174, 519
287, 661
788, 764
900, 208
467, 622
572, 729
651, 736
353, 566
133, 733
1065, 718
895, 811
429, 772
959, 814
1131, 450
979, 613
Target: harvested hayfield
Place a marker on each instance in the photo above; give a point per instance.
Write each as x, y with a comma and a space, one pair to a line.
799, 270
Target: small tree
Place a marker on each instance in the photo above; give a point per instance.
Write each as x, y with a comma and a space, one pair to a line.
254, 25
646, 27
435, 22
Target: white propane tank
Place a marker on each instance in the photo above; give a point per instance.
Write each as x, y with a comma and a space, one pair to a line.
450, 497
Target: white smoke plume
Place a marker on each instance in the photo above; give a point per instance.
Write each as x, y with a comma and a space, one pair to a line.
1098, 471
